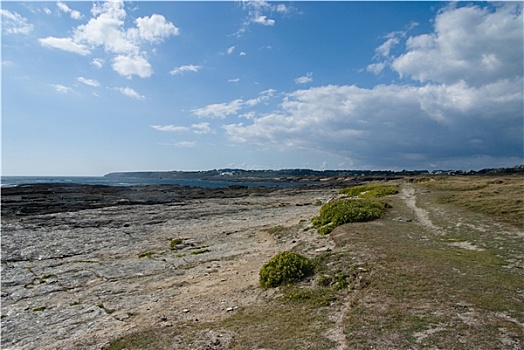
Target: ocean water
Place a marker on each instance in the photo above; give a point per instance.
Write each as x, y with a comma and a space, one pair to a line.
10, 181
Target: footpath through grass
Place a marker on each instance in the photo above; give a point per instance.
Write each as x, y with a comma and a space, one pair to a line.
461, 289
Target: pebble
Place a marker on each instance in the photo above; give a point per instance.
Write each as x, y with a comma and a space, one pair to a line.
323, 249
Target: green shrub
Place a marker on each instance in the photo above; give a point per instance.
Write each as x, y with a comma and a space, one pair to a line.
371, 190
343, 211
285, 268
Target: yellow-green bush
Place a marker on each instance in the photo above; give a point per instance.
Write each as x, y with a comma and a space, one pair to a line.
285, 268
371, 190
343, 211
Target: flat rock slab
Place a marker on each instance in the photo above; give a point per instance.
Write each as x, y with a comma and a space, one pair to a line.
76, 279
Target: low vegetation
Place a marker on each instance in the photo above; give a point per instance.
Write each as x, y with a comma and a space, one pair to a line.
200, 251
146, 254
175, 243
342, 211
501, 197
390, 283
285, 268
371, 190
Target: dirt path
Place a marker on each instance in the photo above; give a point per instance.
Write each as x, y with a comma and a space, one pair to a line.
408, 195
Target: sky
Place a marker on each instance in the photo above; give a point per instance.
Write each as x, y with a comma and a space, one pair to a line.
90, 88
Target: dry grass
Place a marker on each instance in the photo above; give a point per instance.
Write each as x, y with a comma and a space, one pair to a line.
426, 293
501, 197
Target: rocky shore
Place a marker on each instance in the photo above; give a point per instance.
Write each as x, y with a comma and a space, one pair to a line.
82, 265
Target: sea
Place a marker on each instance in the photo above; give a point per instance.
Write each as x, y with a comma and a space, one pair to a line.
11, 181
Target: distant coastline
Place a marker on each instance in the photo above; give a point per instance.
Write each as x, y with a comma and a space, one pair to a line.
233, 175
219, 178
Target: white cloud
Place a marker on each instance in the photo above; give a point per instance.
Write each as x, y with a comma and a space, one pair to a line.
129, 92
90, 82
386, 125
471, 43
199, 128
60, 88
132, 65
376, 68
260, 19
97, 62
186, 68
230, 50
185, 144
72, 13
219, 110
308, 78
155, 28
65, 44
235, 80
263, 97
259, 12
13, 23
106, 29
172, 128
283, 8
242, 53
385, 48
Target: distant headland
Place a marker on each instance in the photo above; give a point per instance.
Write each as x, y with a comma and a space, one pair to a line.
301, 174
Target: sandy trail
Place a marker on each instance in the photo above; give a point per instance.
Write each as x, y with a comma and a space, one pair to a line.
408, 195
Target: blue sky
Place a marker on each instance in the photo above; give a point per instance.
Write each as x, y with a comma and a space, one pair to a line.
94, 87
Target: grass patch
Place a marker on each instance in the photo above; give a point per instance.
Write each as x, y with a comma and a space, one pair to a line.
287, 323
284, 323
276, 230
146, 254
371, 190
313, 297
501, 197
39, 309
200, 251
175, 242
337, 270
344, 211
425, 293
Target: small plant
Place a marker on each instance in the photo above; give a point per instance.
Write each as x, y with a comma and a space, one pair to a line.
275, 230
200, 251
175, 242
146, 255
285, 268
343, 211
372, 190
38, 309
45, 277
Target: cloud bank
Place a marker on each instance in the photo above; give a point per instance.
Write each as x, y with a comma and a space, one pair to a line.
461, 99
